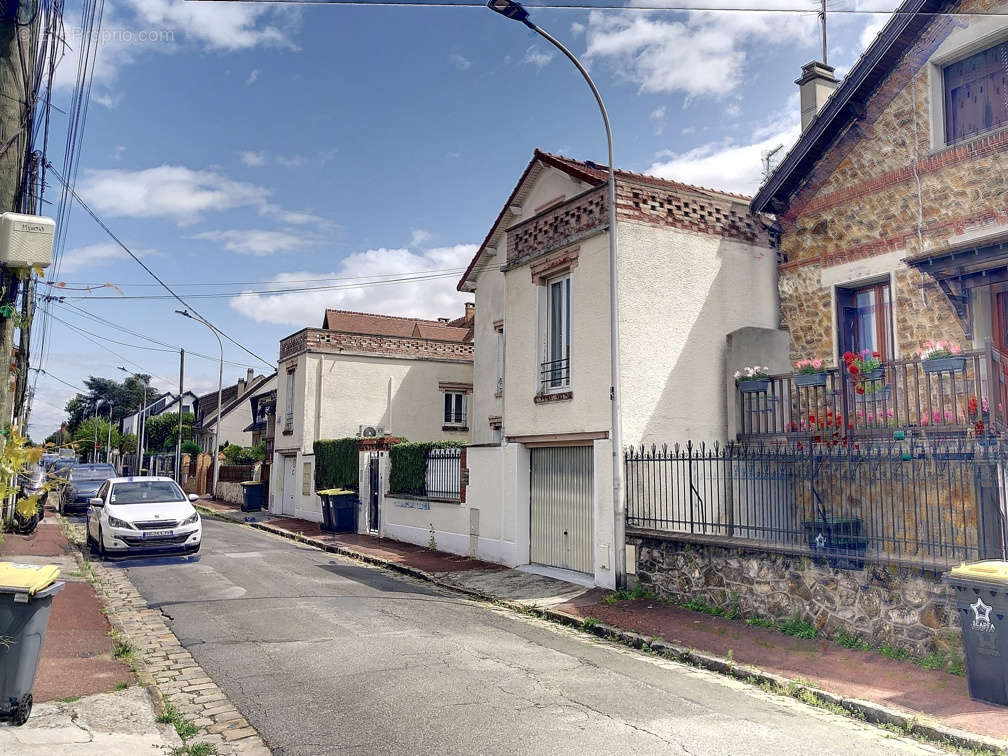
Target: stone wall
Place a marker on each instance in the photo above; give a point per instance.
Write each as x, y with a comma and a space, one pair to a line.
229, 492
910, 609
882, 188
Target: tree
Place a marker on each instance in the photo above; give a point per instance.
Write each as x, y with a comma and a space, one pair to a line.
127, 443
126, 397
244, 455
161, 431
191, 448
84, 438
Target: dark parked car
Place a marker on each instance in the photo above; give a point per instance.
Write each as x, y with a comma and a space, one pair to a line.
83, 482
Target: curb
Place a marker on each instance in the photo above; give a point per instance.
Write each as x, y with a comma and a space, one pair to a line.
869, 711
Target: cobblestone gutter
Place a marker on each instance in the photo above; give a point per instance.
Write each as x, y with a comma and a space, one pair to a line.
161, 662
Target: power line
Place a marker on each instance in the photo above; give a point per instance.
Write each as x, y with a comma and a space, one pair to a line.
656, 6
65, 285
60, 380
150, 272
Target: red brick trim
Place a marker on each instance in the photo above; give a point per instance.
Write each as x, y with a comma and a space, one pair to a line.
551, 265
559, 396
899, 241
980, 147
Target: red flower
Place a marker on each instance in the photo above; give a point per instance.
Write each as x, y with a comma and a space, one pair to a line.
979, 426
972, 404
848, 356
859, 389
811, 419
876, 355
852, 369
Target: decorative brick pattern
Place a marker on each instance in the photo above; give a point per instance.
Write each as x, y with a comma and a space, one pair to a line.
556, 396
162, 661
321, 340
558, 226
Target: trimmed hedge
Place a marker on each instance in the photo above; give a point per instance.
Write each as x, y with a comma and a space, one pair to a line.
336, 464
409, 465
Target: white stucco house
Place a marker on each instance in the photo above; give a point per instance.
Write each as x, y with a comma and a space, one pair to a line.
236, 416
693, 265
166, 402
366, 375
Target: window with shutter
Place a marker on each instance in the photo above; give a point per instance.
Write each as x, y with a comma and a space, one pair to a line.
976, 94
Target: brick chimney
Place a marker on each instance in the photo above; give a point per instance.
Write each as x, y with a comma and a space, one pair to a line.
815, 86
470, 311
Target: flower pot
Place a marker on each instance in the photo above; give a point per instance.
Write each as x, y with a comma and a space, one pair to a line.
945, 365
875, 375
810, 379
758, 386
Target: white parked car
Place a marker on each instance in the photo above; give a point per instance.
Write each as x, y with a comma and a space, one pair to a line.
143, 515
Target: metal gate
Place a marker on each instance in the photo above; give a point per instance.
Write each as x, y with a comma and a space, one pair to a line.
373, 493
562, 524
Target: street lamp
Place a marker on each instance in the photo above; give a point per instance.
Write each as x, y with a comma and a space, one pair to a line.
108, 443
220, 385
141, 424
514, 11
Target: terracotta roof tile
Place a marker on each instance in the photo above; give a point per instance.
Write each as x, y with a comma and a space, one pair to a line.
347, 321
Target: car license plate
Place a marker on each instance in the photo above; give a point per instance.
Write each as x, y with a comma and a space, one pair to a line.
157, 534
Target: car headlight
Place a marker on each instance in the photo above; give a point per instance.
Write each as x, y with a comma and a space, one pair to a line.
115, 522
191, 519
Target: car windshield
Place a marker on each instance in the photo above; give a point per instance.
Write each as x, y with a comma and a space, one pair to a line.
85, 472
146, 492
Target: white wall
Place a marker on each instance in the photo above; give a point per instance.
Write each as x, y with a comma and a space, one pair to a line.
490, 306
681, 293
588, 410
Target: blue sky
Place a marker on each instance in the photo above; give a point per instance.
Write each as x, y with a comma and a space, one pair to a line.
247, 146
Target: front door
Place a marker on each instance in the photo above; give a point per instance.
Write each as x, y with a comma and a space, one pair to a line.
562, 524
288, 504
373, 481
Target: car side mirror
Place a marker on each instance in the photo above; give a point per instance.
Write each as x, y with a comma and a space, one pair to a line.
96, 503
193, 497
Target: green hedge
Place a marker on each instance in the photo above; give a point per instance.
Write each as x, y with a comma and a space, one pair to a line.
336, 464
409, 465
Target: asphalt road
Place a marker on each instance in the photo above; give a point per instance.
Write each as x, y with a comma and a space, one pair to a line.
325, 655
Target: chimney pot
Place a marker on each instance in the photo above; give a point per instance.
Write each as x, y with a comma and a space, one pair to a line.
815, 86
470, 311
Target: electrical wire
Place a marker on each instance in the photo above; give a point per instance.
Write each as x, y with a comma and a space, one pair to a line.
60, 380
150, 272
65, 285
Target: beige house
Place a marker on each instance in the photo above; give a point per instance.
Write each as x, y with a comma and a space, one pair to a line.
694, 265
236, 415
366, 375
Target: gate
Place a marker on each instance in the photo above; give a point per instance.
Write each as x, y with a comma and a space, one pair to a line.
373, 482
562, 523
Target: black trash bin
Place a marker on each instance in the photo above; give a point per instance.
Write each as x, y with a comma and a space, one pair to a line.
26, 594
252, 496
981, 593
327, 516
339, 510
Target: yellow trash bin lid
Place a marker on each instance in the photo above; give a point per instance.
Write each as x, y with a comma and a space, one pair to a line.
26, 578
994, 571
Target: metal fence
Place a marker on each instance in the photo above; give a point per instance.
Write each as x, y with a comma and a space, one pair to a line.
906, 393
443, 477
924, 503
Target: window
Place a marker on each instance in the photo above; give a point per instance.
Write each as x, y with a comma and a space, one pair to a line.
289, 414
455, 408
864, 319
556, 367
306, 479
976, 94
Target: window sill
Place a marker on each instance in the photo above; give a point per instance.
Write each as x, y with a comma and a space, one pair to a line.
288, 432
558, 396
459, 428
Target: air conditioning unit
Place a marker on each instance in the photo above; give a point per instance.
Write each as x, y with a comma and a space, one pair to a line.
370, 431
26, 240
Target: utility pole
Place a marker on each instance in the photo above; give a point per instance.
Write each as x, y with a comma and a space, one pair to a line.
19, 27
21, 405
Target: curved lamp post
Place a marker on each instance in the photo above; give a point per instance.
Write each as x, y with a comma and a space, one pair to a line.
220, 384
516, 12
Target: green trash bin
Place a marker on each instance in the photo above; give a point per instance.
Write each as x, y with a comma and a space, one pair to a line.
981, 593
26, 594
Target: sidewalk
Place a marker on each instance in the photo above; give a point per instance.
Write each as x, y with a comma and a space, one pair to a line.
881, 689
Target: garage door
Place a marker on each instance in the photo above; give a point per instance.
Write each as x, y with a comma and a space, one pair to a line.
561, 504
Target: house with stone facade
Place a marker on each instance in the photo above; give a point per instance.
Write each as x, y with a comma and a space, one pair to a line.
892, 225
366, 375
694, 265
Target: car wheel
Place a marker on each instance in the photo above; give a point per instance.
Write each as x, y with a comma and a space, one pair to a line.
101, 544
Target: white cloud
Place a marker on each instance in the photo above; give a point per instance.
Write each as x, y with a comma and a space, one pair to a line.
421, 298
253, 75
299, 218
167, 191
94, 255
460, 62
220, 26
418, 237
536, 57
698, 53
728, 164
871, 30
577, 29
658, 116
254, 241
252, 158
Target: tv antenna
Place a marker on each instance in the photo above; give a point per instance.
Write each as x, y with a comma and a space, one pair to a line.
822, 22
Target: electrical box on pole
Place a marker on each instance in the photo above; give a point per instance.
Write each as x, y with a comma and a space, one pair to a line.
26, 241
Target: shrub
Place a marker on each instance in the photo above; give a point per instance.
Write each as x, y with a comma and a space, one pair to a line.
409, 465
244, 455
336, 464
191, 448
